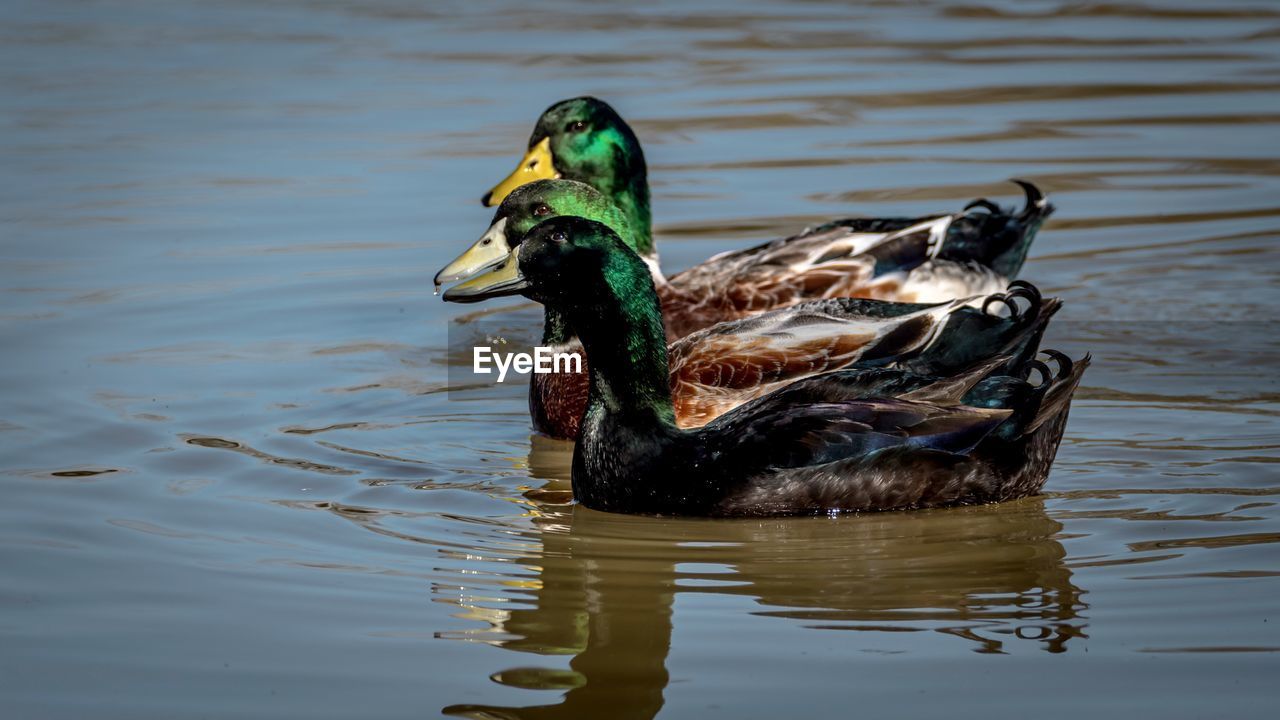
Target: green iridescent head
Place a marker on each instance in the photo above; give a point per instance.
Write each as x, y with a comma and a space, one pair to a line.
588, 251
584, 139
527, 206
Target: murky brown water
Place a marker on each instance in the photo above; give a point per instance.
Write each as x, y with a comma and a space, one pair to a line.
234, 486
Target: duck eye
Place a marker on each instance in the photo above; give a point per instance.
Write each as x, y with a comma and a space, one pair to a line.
559, 236
541, 210
575, 126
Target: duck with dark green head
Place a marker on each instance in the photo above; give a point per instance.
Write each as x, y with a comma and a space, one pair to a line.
974, 252
584, 139
720, 367
854, 440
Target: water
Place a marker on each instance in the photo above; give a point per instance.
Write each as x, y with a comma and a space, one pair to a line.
235, 487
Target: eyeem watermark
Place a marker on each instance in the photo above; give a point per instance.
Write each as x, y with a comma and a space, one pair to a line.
503, 351
484, 361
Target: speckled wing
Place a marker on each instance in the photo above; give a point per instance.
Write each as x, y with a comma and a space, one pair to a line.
728, 364
925, 259
836, 260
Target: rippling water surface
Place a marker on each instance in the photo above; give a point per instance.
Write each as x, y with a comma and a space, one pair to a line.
235, 487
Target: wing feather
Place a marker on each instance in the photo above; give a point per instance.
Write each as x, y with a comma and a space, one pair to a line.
723, 366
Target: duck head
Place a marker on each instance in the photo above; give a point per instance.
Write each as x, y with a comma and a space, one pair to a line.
566, 263
585, 139
581, 139
526, 207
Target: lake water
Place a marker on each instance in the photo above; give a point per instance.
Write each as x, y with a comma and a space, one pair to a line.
235, 486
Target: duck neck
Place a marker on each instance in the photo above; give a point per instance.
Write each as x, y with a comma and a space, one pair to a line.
631, 195
626, 347
555, 329
618, 170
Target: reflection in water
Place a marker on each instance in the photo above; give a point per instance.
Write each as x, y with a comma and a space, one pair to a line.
604, 586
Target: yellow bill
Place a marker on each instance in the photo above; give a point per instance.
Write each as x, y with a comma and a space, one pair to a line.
536, 165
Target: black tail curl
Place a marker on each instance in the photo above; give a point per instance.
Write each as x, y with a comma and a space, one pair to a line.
1038, 367
1048, 376
974, 334
996, 237
1037, 203
984, 204
1033, 401
1065, 364
1015, 290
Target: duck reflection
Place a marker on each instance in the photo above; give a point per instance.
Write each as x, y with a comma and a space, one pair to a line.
991, 576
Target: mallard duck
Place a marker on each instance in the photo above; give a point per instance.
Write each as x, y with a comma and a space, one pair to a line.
857, 440
584, 139
718, 368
